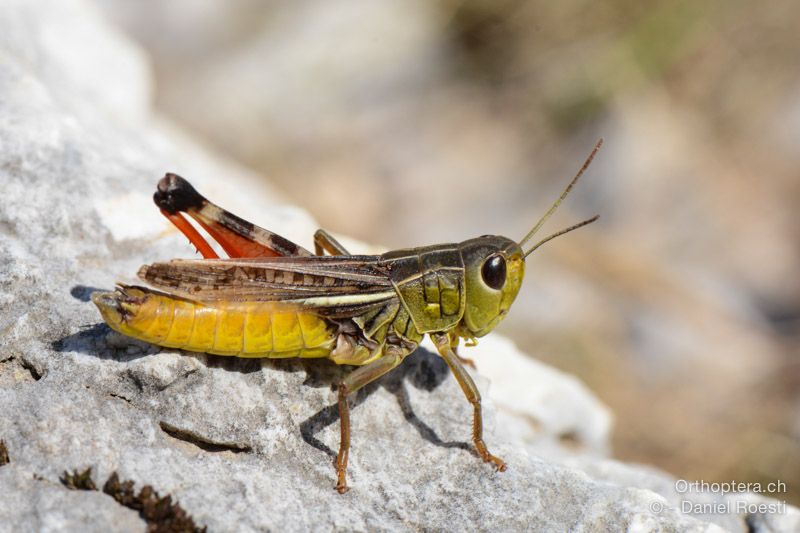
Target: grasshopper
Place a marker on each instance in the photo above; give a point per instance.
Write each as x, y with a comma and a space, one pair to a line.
272, 298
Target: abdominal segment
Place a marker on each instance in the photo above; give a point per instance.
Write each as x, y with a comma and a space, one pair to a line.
243, 329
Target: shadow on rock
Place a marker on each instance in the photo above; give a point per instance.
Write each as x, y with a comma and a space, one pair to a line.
83, 292
422, 369
234, 364
99, 340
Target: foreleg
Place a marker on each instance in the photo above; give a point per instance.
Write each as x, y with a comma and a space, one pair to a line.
442, 343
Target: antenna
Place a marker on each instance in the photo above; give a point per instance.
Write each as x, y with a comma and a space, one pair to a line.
555, 205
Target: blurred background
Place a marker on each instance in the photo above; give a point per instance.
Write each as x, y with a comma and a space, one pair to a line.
411, 122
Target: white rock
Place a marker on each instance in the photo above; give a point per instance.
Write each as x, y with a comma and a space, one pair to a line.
546, 409
243, 445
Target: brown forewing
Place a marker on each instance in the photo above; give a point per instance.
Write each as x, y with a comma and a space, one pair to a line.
280, 279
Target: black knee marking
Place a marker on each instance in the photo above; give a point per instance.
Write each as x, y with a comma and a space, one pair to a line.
175, 194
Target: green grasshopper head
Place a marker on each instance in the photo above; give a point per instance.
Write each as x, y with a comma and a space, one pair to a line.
495, 267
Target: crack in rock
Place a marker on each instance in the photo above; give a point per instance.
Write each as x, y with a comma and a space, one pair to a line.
201, 442
16, 370
121, 397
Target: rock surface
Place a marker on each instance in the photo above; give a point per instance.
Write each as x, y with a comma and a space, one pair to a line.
243, 445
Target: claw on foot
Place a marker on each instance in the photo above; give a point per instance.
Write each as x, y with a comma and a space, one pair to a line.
341, 482
499, 464
341, 474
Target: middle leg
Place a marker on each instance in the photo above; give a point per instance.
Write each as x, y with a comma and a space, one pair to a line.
324, 241
351, 383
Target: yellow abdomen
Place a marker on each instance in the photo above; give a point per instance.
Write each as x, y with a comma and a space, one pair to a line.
243, 329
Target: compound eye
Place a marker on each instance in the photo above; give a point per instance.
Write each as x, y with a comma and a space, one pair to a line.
494, 271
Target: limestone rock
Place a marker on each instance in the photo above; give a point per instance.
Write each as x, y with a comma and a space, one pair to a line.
243, 445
